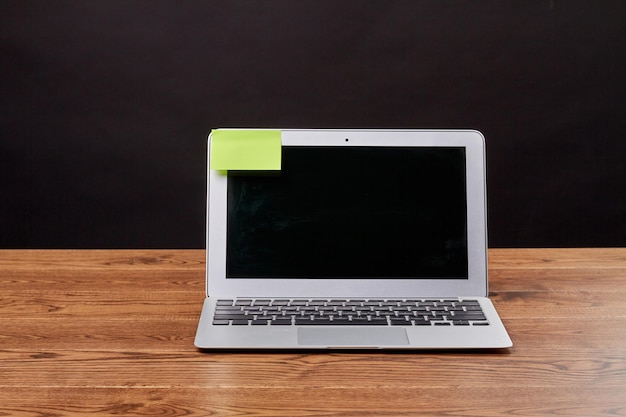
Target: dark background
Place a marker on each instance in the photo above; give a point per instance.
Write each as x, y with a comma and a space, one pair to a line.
105, 106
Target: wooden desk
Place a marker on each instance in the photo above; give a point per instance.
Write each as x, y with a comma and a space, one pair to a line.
111, 333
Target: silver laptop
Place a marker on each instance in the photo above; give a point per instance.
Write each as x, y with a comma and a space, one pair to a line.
347, 239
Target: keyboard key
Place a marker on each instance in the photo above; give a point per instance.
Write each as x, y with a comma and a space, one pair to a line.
230, 317
227, 308
321, 320
281, 322
460, 315
359, 322
372, 303
303, 320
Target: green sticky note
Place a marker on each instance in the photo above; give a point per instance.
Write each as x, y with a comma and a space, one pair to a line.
245, 149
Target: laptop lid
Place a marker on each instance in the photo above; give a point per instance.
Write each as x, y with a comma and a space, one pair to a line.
353, 213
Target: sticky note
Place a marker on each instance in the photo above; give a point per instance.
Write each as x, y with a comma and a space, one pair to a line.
245, 149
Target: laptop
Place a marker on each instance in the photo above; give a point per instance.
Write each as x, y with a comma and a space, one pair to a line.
347, 239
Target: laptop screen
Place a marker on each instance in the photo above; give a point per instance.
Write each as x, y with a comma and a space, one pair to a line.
351, 212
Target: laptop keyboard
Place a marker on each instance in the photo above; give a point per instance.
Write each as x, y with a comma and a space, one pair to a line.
303, 312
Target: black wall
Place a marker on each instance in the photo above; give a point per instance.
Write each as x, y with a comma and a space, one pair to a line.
105, 106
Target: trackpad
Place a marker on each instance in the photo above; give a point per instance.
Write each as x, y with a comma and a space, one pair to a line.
352, 336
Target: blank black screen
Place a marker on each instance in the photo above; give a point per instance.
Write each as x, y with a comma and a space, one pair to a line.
351, 212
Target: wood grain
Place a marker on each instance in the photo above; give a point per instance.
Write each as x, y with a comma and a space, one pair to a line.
111, 333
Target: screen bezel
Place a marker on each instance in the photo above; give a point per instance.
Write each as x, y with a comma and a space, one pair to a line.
474, 285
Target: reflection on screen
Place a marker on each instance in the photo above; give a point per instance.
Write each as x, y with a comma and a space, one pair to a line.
351, 212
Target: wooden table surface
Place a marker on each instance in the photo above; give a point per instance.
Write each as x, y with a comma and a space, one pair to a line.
110, 332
